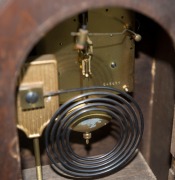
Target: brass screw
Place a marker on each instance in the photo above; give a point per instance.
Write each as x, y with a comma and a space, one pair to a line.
113, 65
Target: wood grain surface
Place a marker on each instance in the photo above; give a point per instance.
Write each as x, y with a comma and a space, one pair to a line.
136, 170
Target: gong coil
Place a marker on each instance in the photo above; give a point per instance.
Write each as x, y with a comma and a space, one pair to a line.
120, 106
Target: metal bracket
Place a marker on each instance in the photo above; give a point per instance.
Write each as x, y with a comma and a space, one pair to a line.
31, 96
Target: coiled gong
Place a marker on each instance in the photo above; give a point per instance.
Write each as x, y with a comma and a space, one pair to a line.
103, 103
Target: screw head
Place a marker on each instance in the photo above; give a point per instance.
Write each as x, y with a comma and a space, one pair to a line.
32, 97
113, 65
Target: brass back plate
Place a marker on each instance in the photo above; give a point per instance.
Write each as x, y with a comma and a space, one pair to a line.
113, 56
42, 70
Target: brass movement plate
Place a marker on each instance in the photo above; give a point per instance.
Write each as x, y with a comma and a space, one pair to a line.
113, 56
40, 74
